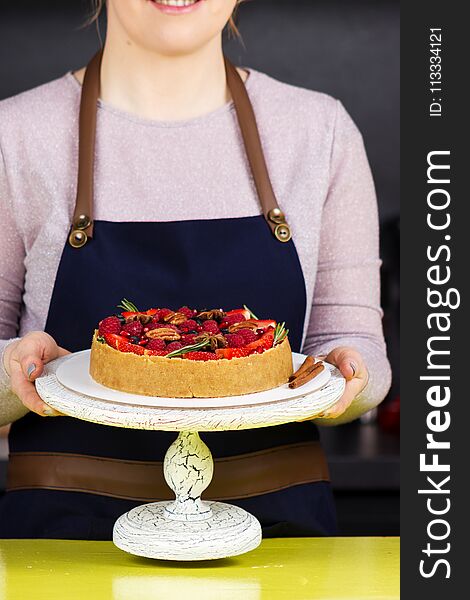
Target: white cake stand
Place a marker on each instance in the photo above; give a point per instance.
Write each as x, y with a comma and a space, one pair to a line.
187, 528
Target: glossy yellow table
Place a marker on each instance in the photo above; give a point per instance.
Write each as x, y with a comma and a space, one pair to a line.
289, 568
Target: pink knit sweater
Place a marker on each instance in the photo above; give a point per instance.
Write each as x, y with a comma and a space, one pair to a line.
196, 169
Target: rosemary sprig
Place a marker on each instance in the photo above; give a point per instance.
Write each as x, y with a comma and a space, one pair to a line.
280, 333
191, 348
128, 306
252, 314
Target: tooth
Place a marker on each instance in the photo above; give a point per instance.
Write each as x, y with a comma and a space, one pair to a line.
176, 3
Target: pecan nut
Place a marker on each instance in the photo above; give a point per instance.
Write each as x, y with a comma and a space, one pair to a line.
175, 318
249, 324
144, 319
163, 333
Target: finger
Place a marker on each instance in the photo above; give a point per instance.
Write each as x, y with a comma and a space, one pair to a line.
348, 361
28, 354
26, 392
38, 344
352, 389
348, 368
62, 351
31, 365
339, 408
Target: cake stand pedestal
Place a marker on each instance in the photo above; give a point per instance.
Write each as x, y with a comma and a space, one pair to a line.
187, 528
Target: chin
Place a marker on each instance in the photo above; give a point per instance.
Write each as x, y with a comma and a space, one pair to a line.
175, 45
166, 29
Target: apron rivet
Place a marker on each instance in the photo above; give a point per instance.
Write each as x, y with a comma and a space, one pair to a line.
82, 222
276, 215
283, 232
78, 238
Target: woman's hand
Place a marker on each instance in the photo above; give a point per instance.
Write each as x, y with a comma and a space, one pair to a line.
24, 361
353, 369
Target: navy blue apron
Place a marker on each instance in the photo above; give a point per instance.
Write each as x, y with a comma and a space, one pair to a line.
201, 263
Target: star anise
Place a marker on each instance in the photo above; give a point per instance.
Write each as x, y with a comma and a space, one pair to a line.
214, 340
216, 313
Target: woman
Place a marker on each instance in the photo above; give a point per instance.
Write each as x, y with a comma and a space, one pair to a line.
179, 215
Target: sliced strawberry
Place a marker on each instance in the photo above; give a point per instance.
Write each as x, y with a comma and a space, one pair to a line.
150, 313
230, 353
118, 342
263, 324
198, 355
239, 311
265, 342
155, 352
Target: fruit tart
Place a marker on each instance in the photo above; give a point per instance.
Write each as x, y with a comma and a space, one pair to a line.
187, 352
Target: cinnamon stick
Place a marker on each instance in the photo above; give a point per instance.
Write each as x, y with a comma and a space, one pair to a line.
307, 376
308, 364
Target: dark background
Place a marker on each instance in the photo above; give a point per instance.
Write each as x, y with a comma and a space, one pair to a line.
346, 48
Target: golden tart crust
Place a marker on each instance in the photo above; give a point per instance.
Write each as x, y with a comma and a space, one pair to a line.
181, 378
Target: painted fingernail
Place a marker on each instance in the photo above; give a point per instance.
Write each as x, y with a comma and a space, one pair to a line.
354, 368
31, 369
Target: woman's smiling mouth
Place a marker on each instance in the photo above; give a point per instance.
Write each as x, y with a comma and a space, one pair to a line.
176, 7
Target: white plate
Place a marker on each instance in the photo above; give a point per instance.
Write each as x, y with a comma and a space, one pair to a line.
74, 374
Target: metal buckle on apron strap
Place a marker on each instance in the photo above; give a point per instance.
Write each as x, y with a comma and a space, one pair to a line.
78, 236
281, 230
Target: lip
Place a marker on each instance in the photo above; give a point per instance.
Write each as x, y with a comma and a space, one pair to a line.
176, 10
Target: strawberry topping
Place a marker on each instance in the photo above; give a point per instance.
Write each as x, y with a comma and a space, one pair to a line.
198, 355
156, 352
233, 352
239, 311
265, 342
229, 335
122, 344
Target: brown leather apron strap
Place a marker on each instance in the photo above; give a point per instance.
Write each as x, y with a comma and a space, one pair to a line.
254, 151
82, 223
240, 476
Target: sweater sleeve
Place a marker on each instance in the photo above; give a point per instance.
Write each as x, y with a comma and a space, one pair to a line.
12, 272
346, 303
